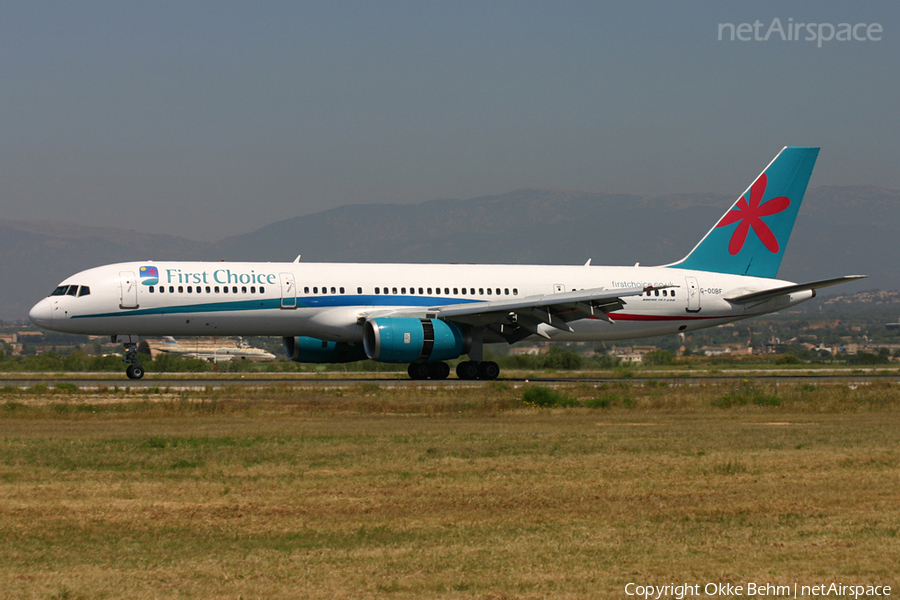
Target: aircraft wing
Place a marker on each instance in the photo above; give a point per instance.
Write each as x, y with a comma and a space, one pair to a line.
756, 297
516, 319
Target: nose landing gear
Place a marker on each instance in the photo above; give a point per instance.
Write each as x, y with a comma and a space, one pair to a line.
134, 369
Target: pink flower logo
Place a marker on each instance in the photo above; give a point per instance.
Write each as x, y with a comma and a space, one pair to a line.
750, 215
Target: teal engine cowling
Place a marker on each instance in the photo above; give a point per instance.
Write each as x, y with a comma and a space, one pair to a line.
408, 340
313, 350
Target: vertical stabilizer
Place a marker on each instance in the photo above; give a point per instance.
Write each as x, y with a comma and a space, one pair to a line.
752, 236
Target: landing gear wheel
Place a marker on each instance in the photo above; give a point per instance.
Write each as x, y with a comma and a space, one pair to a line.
488, 370
134, 371
418, 371
438, 370
467, 370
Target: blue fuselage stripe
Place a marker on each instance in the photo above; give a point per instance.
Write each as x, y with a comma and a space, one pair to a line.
275, 303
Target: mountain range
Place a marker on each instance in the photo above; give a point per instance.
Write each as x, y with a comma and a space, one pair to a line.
841, 230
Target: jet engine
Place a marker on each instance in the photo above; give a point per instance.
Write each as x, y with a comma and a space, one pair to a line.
312, 350
409, 340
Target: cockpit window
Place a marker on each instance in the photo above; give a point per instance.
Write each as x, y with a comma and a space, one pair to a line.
72, 290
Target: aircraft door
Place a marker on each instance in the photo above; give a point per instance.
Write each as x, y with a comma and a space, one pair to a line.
127, 290
288, 290
693, 294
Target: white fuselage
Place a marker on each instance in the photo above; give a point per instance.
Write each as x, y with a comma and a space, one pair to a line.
330, 300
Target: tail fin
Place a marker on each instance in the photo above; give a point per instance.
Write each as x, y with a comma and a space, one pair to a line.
752, 236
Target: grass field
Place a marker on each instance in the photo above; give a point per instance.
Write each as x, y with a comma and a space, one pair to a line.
369, 492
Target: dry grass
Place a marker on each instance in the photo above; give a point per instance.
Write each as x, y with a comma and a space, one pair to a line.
413, 493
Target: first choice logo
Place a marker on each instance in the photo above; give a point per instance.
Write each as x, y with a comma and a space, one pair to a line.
149, 275
224, 276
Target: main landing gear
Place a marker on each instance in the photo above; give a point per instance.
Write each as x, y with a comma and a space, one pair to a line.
433, 370
474, 368
469, 369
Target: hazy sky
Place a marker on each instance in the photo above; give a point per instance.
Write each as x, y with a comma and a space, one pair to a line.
206, 119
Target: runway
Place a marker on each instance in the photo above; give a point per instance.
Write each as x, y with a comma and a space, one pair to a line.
168, 382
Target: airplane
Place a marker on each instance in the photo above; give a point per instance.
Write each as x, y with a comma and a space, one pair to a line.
215, 353
426, 314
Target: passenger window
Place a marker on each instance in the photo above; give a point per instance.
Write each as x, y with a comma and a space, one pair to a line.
199, 290
171, 289
162, 289
665, 293
151, 289
217, 289
393, 290
306, 290
190, 290
332, 290
234, 289
447, 290
672, 293
402, 290
463, 291
316, 290
515, 291
207, 289
359, 290
243, 289
262, 290
472, 290
224, 289
429, 290
84, 291
506, 291
377, 290
489, 291
342, 290
656, 292
480, 291
420, 291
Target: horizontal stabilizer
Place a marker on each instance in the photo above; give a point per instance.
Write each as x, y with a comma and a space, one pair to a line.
791, 289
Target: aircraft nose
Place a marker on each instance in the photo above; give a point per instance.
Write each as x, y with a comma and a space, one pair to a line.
41, 314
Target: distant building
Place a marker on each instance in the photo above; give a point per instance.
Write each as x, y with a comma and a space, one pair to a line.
631, 354
527, 350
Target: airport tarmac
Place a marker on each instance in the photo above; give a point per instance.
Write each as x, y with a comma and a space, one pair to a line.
201, 383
